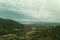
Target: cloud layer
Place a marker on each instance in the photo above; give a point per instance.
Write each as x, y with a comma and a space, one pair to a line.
38, 10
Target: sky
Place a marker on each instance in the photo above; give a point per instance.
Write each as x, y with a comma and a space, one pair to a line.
31, 10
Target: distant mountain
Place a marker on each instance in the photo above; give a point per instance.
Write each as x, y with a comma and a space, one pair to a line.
9, 24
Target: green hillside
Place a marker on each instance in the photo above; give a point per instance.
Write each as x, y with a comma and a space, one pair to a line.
12, 30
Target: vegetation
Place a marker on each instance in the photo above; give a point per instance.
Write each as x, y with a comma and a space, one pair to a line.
12, 30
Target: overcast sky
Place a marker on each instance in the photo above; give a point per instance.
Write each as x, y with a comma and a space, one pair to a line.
31, 10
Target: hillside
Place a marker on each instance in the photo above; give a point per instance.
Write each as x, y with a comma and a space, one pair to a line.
12, 30
9, 24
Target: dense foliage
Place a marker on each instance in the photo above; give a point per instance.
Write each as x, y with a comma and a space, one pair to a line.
12, 30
